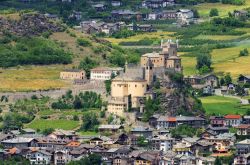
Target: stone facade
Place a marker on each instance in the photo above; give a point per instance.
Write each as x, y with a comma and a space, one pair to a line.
72, 74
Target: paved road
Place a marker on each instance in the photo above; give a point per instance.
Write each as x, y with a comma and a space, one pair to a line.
243, 101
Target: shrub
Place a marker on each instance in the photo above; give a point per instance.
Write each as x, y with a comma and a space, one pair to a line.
213, 12
244, 52
83, 42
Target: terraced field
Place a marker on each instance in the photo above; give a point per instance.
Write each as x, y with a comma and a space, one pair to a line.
223, 9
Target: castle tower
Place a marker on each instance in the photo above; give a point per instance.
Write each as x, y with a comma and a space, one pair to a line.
149, 73
169, 48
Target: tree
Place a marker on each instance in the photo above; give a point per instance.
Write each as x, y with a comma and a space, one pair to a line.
86, 64
77, 103
244, 52
196, 13
217, 161
92, 159
48, 131
213, 12
228, 79
142, 142
222, 81
90, 121
183, 130
203, 60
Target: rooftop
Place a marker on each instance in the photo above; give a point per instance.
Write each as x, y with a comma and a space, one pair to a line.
247, 141
232, 117
141, 129
109, 126
18, 140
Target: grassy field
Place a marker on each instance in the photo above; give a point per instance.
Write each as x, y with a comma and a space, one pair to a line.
223, 9
151, 35
188, 64
217, 37
62, 124
223, 105
31, 78
228, 60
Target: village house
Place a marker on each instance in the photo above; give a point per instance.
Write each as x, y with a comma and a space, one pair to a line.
161, 143
244, 79
242, 159
28, 131
205, 160
168, 14
233, 120
125, 139
19, 142
39, 157
62, 157
117, 15
63, 134
246, 120
153, 16
99, 7
77, 15
93, 27
141, 28
104, 73
72, 74
182, 148
221, 144
51, 143
243, 147
218, 130
116, 3
168, 122
110, 128
147, 158
201, 148
156, 4
240, 13
243, 129
167, 158
185, 16
217, 121
142, 131
202, 81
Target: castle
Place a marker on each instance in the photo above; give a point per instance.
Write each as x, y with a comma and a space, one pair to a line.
129, 89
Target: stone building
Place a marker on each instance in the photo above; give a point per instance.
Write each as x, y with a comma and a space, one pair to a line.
167, 58
130, 89
72, 74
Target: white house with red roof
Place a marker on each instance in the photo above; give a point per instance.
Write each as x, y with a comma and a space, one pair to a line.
233, 120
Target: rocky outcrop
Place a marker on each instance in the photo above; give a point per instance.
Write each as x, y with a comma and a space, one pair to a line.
29, 25
175, 99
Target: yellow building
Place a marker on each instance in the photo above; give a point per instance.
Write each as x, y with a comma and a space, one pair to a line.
72, 74
129, 88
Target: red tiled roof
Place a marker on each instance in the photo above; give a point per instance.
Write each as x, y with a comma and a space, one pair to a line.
73, 144
243, 126
12, 150
171, 119
232, 116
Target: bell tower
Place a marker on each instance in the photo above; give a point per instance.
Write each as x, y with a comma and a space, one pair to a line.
149, 73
